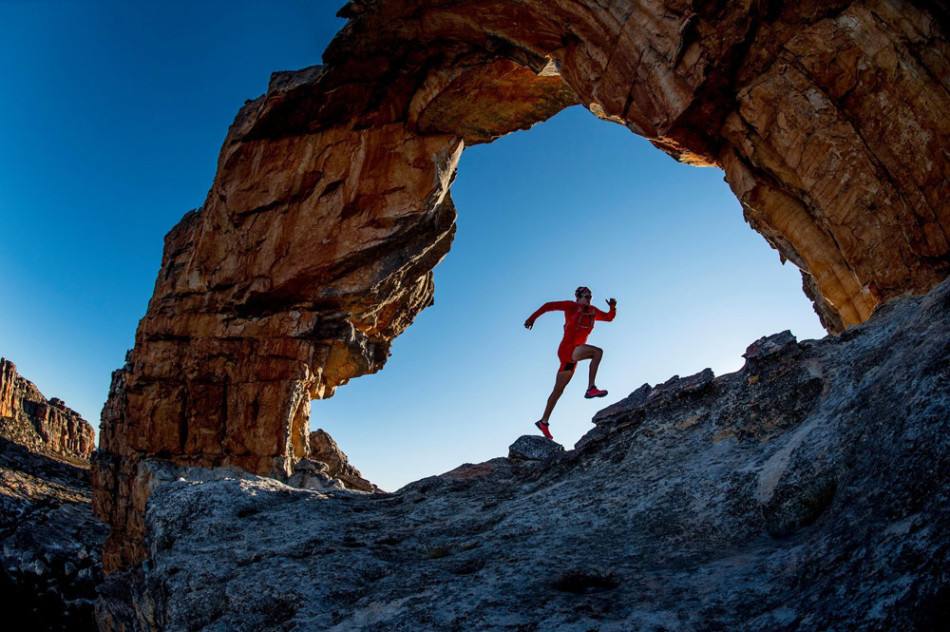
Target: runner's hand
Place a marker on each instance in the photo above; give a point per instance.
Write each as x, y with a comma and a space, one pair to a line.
528, 324
612, 302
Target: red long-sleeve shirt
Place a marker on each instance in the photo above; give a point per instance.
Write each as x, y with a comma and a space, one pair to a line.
578, 319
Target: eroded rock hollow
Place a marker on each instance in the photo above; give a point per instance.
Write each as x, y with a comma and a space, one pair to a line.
331, 206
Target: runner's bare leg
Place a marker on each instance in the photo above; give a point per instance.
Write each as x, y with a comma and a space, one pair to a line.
583, 352
563, 377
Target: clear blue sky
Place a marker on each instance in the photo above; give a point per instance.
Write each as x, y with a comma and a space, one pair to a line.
112, 116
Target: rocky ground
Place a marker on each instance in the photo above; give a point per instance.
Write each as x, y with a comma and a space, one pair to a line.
49, 542
809, 490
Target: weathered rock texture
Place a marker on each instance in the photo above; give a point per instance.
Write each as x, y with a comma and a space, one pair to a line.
533, 448
325, 450
41, 425
327, 468
331, 204
808, 491
50, 542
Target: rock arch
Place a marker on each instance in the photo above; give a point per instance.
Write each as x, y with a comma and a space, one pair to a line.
331, 203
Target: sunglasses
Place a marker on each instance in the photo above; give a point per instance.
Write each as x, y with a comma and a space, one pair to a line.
583, 296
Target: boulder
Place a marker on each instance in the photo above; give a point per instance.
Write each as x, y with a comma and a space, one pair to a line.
534, 448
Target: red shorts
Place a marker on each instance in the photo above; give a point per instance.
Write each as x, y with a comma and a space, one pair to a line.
564, 353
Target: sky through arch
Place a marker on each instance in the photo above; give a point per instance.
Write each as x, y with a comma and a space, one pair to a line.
114, 115
574, 200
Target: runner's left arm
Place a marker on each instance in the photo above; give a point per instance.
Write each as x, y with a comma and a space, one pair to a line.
602, 315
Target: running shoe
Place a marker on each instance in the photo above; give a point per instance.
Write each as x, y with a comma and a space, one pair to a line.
593, 391
543, 427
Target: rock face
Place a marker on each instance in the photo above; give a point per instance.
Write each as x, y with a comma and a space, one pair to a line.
49, 539
327, 468
807, 491
534, 448
331, 204
41, 425
325, 450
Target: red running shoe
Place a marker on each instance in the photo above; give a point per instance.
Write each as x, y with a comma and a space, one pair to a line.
543, 427
593, 391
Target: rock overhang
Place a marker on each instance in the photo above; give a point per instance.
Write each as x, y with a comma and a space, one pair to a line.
331, 202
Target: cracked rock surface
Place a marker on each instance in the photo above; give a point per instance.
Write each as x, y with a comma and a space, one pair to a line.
808, 490
331, 204
49, 542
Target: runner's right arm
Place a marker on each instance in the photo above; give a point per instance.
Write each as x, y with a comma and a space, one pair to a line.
547, 307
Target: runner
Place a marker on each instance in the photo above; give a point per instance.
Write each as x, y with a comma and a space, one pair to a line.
579, 317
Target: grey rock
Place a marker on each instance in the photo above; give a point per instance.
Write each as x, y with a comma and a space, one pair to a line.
534, 448
808, 491
655, 397
310, 474
767, 346
620, 409
49, 541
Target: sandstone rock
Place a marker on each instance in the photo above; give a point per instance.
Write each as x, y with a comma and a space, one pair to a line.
324, 449
534, 448
49, 427
762, 506
331, 206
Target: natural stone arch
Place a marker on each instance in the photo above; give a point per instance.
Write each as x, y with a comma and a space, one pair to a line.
331, 204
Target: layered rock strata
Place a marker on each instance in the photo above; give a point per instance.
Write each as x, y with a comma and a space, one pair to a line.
323, 449
41, 425
330, 205
808, 491
327, 467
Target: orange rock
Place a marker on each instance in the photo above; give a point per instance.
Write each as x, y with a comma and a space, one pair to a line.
41, 425
330, 206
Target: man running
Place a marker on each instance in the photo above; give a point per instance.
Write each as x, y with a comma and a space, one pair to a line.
579, 317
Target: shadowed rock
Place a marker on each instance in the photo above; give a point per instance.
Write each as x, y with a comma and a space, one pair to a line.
50, 541
534, 448
811, 497
325, 450
330, 206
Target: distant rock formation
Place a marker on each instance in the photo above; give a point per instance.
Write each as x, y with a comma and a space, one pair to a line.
50, 542
806, 491
324, 451
41, 425
331, 203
